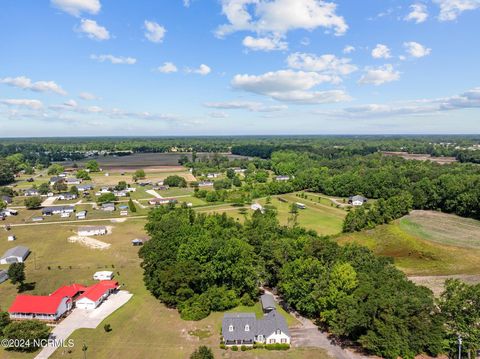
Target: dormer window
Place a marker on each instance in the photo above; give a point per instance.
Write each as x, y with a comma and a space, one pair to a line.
247, 328
230, 328
278, 332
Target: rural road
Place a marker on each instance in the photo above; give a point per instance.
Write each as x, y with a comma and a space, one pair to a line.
76, 221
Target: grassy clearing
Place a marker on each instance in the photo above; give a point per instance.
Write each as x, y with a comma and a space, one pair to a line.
416, 253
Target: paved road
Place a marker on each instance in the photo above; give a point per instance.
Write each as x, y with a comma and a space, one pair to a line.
81, 318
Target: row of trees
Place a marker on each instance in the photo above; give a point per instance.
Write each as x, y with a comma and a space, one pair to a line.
202, 263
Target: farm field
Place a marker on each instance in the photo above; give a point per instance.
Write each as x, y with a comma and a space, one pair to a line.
425, 244
144, 160
152, 332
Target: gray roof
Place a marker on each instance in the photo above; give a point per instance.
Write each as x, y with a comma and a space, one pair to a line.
270, 323
267, 302
357, 198
108, 205
239, 321
18, 251
57, 208
3, 276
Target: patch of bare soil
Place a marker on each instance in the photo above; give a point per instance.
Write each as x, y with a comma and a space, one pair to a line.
437, 283
89, 242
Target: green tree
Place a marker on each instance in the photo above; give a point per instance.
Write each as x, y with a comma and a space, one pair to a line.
29, 332
4, 321
92, 166
121, 186
202, 352
55, 169
33, 202
7, 172
131, 206
83, 174
139, 174
73, 190
106, 198
460, 306
175, 181
44, 188
16, 273
230, 173
60, 186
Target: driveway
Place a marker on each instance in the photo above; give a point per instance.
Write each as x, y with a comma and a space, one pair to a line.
153, 193
81, 318
49, 201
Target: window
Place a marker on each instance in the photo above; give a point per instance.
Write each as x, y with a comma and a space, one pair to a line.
247, 328
260, 338
283, 340
230, 328
278, 331
272, 341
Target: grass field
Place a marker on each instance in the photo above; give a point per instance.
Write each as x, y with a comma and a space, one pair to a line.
426, 243
143, 328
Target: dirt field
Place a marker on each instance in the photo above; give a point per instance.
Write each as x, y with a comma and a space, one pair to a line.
144, 160
421, 157
437, 283
443, 228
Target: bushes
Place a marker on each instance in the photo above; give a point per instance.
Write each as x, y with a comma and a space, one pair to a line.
215, 299
277, 346
33, 202
175, 181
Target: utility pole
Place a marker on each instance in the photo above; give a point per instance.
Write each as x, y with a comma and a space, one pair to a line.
459, 347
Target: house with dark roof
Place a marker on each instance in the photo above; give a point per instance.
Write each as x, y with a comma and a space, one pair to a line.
6, 199
245, 329
31, 192
49, 211
268, 302
357, 200
16, 254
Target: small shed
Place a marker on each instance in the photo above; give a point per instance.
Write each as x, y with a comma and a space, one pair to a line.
3, 276
11, 238
268, 302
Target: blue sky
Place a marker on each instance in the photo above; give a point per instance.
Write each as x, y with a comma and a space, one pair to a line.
225, 67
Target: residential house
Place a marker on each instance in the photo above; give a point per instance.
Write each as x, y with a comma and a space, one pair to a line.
3, 276
56, 179
67, 196
161, 201
7, 212
300, 205
257, 207
96, 294
73, 181
120, 193
15, 255
205, 184
108, 207
357, 200
32, 192
85, 187
212, 175
81, 215
239, 170
282, 178
46, 308
245, 329
49, 211
92, 231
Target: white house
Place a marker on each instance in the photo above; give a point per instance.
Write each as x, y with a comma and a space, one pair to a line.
257, 207
46, 308
96, 294
103, 275
86, 231
357, 201
300, 205
11, 238
212, 175
81, 215
15, 255
73, 180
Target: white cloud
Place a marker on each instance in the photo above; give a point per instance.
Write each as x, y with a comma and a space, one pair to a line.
167, 68
379, 75
218, 114
451, 9
87, 96
77, 7
187, 3
27, 103
116, 60
280, 16
154, 32
202, 70
27, 84
71, 103
348, 49
467, 100
418, 13
93, 30
328, 64
291, 86
246, 105
264, 43
416, 50
381, 52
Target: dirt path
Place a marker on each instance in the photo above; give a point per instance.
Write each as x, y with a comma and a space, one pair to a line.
436, 283
153, 193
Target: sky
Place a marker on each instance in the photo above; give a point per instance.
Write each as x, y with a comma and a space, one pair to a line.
238, 67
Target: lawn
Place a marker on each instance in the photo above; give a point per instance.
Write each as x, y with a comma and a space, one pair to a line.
144, 327
416, 247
